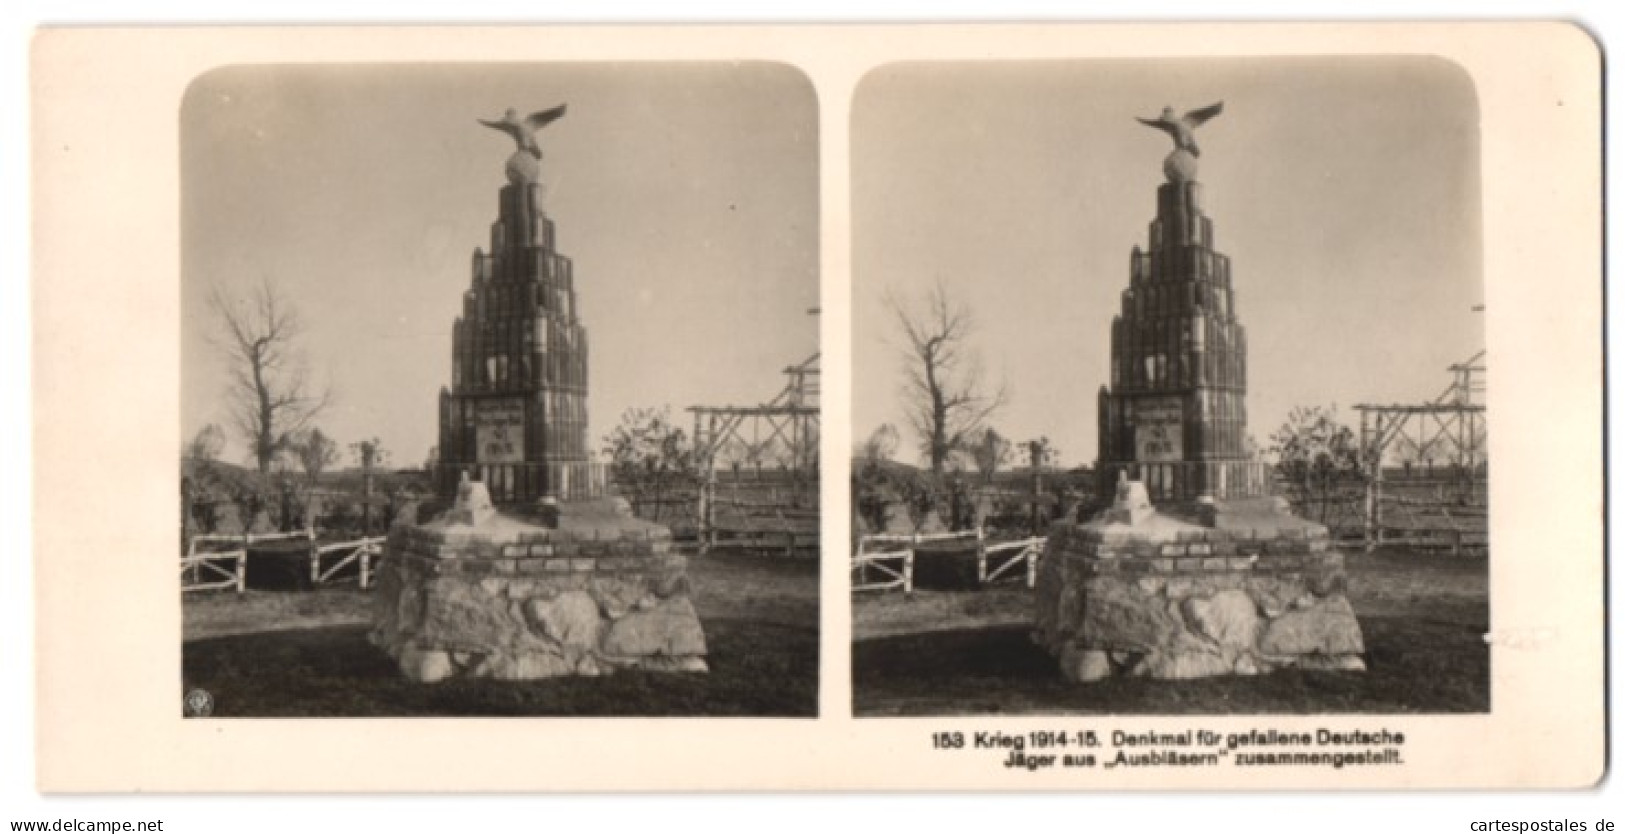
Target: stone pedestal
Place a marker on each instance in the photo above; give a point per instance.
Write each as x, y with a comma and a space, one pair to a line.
1168, 597
514, 600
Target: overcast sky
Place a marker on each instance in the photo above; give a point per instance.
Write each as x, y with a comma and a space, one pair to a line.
1345, 192
686, 194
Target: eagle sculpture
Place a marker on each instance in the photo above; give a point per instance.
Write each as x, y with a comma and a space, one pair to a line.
524, 130
1183, 128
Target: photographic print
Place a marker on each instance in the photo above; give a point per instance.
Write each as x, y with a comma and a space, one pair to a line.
494, 375
484, 390
1170, 388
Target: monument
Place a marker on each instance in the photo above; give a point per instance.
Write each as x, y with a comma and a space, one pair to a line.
1195, 569
536, 570
516, 412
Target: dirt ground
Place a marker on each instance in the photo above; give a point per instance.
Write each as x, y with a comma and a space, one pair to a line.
736, 585
957, 651
305, 653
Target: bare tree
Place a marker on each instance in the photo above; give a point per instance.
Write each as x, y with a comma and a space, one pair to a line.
879, 446
650, 457
371, 455
269, 390
1319, 459
992, 452
946, 398
205, 446
316, 452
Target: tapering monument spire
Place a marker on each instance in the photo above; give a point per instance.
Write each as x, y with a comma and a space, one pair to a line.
1174, 415
515, 416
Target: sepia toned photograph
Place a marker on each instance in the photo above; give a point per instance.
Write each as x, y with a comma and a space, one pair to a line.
1169, 391
500, 376
499, 390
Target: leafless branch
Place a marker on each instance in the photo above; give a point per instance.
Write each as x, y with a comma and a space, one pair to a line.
267, 380
945, 397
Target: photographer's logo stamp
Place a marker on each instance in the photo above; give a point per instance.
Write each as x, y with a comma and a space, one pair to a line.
199, 704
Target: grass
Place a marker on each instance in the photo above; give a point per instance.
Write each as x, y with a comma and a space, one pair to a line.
757, 669
955, 653
305, 654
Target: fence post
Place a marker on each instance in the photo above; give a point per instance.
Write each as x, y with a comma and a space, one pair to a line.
1374, 519
908, 564
242, 570
1032, 565
708, 498
1370, 479
366, 554
981, 556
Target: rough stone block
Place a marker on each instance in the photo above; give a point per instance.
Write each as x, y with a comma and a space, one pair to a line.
1182, 665
1195, 615
528, 616
671, 629
1325, 628
1114, 618
1330, 663
570, 619
1084, 665
425, 666
1228, 618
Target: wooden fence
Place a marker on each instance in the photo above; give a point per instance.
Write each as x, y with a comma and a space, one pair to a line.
745, 524
892, 557
1433, 515
1006, 557
205, 569
748, 513
1428, 524
362, 553
217, 562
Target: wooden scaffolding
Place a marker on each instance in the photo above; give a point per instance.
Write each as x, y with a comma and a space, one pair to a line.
1450, 429
782, 435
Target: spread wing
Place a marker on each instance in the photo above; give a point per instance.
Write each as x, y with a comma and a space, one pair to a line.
502, 126
537, 121
1196, 117
1159, 124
